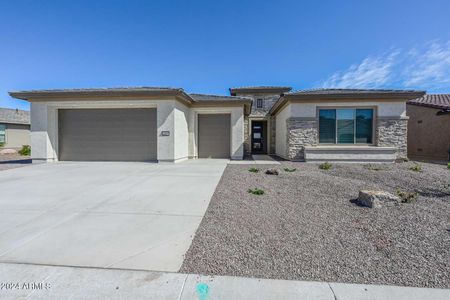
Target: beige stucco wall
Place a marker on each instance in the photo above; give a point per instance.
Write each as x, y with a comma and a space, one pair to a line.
17, 135
281, 131
181, 131
383, 109
428, 134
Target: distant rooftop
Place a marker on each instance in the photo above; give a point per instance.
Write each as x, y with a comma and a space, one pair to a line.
433, 100
261, 89
14, 116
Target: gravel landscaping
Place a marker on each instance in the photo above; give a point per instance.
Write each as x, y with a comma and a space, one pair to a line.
307, 226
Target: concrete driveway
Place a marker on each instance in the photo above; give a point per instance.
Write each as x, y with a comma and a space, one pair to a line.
110, 215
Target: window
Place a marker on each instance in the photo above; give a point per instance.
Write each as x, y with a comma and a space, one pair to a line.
345, 126
2, 133
259, 103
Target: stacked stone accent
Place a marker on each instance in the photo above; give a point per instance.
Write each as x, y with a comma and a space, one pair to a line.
393, 132
301, 132
272, 132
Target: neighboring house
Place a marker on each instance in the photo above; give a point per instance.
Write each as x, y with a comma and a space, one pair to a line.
168, 124
429, 128
14, 128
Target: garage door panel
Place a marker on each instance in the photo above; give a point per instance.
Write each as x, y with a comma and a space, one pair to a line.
214, 135
107, 134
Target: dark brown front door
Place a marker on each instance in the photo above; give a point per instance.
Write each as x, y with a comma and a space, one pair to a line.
259, 137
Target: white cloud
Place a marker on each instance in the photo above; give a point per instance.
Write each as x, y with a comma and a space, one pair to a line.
426, 67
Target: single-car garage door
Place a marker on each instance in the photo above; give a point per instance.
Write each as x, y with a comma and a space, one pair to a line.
214, 136
107, 134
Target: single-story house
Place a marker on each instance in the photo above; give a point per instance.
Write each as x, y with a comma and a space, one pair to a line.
168, 124
14, 128
429, 128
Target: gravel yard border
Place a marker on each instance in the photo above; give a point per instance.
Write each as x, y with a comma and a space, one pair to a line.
306, 226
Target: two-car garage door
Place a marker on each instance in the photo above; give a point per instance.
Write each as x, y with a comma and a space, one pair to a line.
107, 134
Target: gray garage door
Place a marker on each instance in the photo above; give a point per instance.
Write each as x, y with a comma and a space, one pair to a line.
107, 134
214, 136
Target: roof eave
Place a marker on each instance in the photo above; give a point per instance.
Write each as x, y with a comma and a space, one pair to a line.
32, 96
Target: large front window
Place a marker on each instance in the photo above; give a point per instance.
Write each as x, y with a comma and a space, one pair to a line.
346, 126
2, 133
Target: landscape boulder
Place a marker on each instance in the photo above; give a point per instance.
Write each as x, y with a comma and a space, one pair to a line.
8, 151
272, 172
377, 199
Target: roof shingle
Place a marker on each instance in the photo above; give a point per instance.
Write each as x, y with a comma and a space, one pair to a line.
433, 100
14, 116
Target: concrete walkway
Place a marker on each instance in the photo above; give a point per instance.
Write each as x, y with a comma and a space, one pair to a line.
118, 215
49, 282
256, 160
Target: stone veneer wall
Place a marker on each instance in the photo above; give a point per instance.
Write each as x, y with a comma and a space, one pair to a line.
300, 132
246, 136
393, 132
272, 132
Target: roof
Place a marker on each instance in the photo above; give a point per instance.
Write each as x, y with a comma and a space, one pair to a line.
332, 94
143, 91
207, 97
14, 116
96, 92
260, 89
350, 91
433, 100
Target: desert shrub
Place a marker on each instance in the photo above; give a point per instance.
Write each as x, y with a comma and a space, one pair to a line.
256, 191
407, 197
25, 151
253, 170
290, 170
374, 168
325, 166
416, 168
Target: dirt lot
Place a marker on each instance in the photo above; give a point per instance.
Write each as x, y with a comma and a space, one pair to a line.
307, 227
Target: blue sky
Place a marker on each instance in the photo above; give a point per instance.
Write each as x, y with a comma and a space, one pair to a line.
209, 46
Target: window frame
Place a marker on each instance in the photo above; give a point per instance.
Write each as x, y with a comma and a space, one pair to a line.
374, 118
259, 103
4, 134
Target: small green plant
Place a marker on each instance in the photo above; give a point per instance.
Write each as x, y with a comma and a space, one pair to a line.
374, 168
448, 165
325, 166
256, 191
253, 170
25, 151
407, 197
2, 144
416, 168
290, 170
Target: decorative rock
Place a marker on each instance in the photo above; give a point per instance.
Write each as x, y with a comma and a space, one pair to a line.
8, 151
272, 172
377, 199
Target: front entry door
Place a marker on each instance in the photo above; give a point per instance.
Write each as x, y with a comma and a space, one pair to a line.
259, 137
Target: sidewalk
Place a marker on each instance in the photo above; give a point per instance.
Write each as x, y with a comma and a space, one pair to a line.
24, 281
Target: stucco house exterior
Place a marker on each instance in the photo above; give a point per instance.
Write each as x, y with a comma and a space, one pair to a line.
170, 125
429, 128
14, 128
